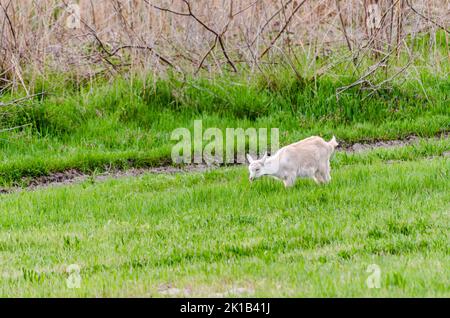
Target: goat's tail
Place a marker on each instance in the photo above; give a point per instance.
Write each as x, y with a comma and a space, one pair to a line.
333, 143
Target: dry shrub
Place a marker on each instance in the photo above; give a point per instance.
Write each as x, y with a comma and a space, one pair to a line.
152, 36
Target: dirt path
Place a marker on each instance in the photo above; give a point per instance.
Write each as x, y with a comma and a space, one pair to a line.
75, 176
358, 147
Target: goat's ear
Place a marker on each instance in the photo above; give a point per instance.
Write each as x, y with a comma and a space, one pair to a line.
263, 159
249, 158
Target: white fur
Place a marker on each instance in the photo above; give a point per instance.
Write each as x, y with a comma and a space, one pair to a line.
308, 158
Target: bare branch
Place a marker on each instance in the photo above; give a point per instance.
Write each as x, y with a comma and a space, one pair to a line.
5, 11
426, 18
344, 30
140, 47
268, 21
19, 100
244, 9
13, 128
372, 69
218, 36
282, 30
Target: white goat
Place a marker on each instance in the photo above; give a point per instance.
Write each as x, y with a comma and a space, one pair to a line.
307, 158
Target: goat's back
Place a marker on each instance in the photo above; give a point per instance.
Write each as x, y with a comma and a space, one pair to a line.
311, 151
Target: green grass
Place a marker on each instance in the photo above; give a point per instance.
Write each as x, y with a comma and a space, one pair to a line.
209, 233
20, 168
212, 233
128, 122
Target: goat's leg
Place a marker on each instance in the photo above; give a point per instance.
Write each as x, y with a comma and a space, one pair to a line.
289, 181
327, 174
318, 178
318, 175
323, 173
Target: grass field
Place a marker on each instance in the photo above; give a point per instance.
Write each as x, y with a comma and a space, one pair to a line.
128, 123
212, 233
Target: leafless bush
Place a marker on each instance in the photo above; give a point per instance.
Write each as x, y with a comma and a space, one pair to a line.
88, 37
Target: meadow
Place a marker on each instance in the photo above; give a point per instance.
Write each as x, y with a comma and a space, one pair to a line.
100, 91
215, 234
128, 122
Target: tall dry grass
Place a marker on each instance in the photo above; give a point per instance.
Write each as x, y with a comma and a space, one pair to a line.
88, 37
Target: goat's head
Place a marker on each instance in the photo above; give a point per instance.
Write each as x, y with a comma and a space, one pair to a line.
256, 167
